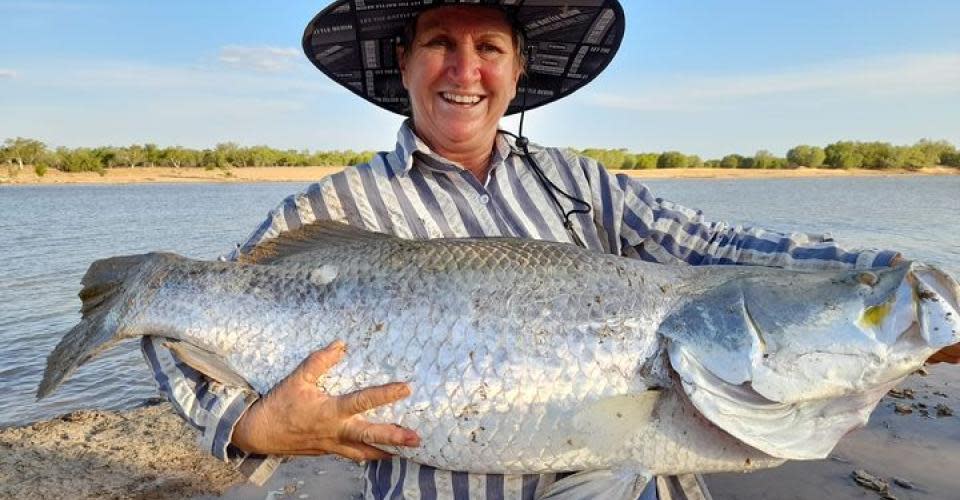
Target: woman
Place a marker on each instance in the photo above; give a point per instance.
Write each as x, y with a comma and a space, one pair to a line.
453, 173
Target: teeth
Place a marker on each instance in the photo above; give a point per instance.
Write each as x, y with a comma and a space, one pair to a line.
461, 99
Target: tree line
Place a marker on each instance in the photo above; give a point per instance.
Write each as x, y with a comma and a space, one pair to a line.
20, 152
842, 155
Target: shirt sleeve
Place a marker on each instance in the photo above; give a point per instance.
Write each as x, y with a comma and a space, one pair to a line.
658, 230
212, 408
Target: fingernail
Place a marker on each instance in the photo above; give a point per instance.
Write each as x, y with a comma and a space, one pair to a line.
338, 345
412, 441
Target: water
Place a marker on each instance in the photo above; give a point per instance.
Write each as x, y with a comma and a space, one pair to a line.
50, 234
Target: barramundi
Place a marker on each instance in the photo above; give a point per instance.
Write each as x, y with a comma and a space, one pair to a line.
530, 356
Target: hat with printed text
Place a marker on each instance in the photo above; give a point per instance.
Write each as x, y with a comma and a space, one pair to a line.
569, 43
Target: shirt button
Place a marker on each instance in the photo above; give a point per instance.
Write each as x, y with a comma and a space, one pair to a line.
484, 199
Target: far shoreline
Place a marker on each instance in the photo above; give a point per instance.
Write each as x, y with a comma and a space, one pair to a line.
143, 175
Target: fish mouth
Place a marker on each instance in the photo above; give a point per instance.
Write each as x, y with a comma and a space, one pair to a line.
937, 299
922, 303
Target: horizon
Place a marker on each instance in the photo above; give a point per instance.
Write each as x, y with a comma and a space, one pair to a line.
707, 80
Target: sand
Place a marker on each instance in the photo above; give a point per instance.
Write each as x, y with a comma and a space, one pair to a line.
150, 453
308, 174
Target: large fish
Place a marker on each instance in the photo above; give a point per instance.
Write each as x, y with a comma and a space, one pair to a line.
531, 356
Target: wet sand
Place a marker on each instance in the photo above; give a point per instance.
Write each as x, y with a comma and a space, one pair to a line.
308, 174
150, 453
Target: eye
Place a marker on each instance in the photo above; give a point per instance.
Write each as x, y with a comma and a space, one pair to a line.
490, 48
438, 42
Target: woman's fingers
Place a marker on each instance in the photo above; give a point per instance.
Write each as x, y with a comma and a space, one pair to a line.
361, 431
371, 397
360, 452
319, 362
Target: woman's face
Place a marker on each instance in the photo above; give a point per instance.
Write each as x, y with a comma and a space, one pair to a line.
461, 74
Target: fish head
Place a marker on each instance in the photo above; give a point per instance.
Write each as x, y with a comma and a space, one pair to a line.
901, 311
818, 333
790, 362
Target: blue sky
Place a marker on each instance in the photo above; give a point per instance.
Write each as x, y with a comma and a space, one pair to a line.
708, 77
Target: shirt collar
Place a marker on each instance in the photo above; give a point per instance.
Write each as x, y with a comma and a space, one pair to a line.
408, 143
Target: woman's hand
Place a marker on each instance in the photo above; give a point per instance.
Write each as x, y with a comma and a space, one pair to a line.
299, 418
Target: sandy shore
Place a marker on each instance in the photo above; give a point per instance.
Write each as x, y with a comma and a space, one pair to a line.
150, 453
307, 174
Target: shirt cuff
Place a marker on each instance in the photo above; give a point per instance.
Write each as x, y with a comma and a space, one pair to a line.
224, 415
216, 438
873, 258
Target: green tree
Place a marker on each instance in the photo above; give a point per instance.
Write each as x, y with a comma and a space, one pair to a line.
879, 155
109, 156
179, 157
610, 158
226, 155
764, 159
843, 154
80, 160
934, 151
151, 155
23, 151
647, 161
806, 156
131, 156
913, 158
731, 161
261, 156
672, 159
950, 159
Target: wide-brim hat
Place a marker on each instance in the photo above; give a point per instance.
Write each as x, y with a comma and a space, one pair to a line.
355, 43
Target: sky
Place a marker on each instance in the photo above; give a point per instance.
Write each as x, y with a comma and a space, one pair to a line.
706, 77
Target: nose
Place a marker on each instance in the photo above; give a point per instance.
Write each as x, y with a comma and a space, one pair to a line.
463, 64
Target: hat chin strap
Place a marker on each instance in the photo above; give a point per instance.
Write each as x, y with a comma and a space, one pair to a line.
580, 206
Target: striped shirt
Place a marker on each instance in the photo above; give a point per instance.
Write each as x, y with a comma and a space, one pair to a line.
412, 192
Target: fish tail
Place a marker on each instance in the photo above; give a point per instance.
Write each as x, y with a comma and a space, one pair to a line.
98, 330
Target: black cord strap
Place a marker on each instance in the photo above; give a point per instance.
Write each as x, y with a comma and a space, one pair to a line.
549, 186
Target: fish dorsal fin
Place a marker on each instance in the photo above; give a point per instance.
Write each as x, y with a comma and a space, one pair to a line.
298, 244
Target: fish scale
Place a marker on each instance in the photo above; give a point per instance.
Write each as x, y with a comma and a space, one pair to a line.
529, 356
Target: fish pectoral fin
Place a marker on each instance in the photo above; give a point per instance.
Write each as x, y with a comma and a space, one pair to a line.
606, 484
297, 245
208, 363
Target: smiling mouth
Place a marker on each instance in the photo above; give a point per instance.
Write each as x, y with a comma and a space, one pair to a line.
463, 100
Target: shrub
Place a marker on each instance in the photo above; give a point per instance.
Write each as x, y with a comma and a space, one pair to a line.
731, 161
806, 156
647, 161
672, 159
950, 159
